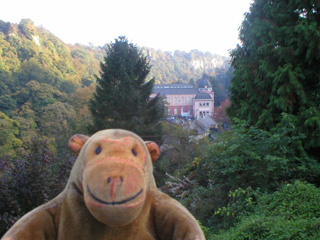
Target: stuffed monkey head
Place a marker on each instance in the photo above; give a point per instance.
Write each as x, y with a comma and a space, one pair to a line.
114, 172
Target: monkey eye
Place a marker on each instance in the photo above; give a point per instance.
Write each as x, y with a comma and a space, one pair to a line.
98, 150
134, 152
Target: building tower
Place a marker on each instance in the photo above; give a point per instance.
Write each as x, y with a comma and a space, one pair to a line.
204, 100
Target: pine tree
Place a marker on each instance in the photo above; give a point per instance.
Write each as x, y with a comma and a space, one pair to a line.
276, 68
122, 98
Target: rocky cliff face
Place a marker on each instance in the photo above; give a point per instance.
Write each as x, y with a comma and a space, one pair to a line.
217, 62
181, 66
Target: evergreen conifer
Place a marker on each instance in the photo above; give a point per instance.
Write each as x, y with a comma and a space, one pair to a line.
122, 98
276, 68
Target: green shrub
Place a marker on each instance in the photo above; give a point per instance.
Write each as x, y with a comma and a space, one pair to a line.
247, 158
293, 212
205, 230
241, 203
251, 157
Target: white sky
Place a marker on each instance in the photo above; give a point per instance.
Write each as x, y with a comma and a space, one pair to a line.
206, 25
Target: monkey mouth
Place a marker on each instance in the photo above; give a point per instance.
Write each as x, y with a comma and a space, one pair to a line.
114, 202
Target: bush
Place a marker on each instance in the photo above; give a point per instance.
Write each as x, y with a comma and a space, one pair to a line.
30, 180
251, 157
293, 212
240, 203
248, 159
178, 151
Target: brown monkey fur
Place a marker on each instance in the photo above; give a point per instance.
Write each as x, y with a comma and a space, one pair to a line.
111, 194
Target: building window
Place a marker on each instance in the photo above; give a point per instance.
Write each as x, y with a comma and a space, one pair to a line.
200, 104
168, 100
207, 104
175, 111
189, 100
175, 101
182, 100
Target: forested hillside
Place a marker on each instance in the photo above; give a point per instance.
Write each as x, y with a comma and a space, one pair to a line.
180, 66
41, 79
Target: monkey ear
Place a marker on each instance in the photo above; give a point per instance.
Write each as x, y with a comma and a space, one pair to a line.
154, 150
76, 142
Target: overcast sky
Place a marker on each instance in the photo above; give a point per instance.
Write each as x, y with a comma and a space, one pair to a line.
206, 25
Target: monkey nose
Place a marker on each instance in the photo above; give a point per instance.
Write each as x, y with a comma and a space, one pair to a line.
115, 184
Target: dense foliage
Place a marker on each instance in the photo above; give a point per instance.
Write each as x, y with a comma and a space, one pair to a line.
122, 93
9, 131
178, 150
30, 180
39, 80
292, 212
239, 166
276, 67
220, 83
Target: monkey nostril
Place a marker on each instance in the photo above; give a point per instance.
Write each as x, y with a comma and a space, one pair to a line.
114, 179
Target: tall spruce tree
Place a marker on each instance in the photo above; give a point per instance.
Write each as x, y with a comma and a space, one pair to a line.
276, 68
122, 98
